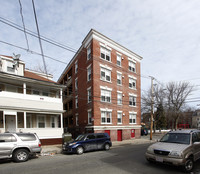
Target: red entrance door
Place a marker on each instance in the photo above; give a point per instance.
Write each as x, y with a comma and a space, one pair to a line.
119, 135
132, 133
108, 132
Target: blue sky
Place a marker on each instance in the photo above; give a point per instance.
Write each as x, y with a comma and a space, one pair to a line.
165, 33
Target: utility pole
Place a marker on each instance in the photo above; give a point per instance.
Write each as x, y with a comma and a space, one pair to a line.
152, 103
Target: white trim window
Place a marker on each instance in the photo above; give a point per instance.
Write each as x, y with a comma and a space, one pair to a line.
89, 73
90, 116
53, 122
105, 95
105, 75
119, 60
10, 67
89, 93
76, 102
119, 78
105, 54
131, 66
132, 100
89, 53
76, 84
119, 117
119, 98
132, 118
106, 117
132, 83
41, 121
77, 120
76, 67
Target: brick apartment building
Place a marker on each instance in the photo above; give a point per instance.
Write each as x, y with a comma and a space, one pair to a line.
103, 92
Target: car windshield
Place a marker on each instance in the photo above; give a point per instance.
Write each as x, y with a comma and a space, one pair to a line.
180, 138
80, 138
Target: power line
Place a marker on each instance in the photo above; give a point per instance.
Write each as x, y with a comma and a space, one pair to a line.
23, 24
38, 31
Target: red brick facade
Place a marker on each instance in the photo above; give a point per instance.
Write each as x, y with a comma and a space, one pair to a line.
117, 131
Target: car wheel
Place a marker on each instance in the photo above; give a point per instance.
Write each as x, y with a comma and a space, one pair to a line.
188, 166
79, 150
21, 155
106, 146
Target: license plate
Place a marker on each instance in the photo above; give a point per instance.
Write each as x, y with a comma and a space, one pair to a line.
159, 159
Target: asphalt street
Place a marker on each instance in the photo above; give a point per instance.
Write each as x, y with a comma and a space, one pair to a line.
125, 159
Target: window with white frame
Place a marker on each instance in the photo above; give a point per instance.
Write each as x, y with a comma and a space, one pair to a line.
132, 83
119, 78
119, 117
89, 116
89, 73
76, 66
41, 121
119, 60
10, 67
105, 95
119, 98
76, 119
132, 100
132, 118
76, 102
53, 122
131, 66
89, 93
106, 117
105, 74
76, 84
89, 53
105, 54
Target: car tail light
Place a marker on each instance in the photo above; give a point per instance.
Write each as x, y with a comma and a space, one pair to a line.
39, 145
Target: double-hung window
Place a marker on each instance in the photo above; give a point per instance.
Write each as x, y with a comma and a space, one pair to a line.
132, 100
119, 117
76, 66
89, 73
76, 84
76, 102
10, 67
132, 83
90, 116
119, 78
89, 93
105, 74
105, 54
105, 95
131, 66
119, 98
89, 53
132, 118
119, 60
106, 117
41, 121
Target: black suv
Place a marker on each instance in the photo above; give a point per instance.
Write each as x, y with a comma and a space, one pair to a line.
88, 142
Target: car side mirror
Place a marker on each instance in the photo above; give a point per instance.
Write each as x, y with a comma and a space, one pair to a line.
158, 140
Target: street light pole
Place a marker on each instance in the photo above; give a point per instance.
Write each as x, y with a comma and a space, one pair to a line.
152, 102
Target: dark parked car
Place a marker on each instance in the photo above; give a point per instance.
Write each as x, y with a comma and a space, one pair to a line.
88, 142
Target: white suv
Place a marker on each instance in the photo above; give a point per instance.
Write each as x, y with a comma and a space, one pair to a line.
180, 148
19, 146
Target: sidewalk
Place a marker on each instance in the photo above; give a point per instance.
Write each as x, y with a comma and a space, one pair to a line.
51, 150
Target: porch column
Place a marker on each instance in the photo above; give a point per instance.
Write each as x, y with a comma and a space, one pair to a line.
24, 120
24, 88
61, 120
16, 121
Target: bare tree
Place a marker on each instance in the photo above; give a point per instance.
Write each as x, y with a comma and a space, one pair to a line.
176, 96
